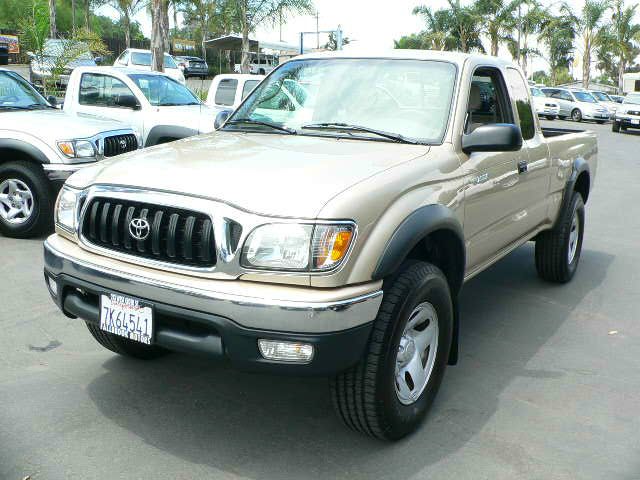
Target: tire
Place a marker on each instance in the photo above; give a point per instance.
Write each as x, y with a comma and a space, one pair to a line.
551, 117
124, 346
261, 71
30, 187
554, 262
623, 128
615, 127
576, 115
562, 117
600, 122
367, 397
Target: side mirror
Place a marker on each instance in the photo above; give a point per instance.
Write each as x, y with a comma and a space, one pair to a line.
98, 60
498, 137
52, 100
127, 101
221, 117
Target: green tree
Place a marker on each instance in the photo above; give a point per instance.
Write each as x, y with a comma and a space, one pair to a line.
247, 15
437, 35
498, 20
624, 37
201, 16
557, 33
332, 42
127, 9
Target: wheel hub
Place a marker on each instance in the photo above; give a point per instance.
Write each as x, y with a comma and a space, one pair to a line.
16, 201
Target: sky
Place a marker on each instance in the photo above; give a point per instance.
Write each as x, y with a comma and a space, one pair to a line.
373, 24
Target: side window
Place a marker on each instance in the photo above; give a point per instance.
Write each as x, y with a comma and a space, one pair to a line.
248, 86
102, 90
523, 105
566, 96
487, 100
226, 93
123, 59
556, 94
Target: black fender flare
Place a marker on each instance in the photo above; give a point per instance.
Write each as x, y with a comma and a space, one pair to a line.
24, 147
413, 229
170, 131
580, 165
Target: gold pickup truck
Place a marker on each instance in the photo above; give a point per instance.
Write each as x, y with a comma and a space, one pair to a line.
328, 226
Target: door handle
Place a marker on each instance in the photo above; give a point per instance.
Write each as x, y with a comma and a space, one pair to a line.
522, 166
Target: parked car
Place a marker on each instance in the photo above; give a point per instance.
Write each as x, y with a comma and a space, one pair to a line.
578, 105
628, 114
40, 146
604, 99
192, 66
138, 59
227, 91
263, 65
617, 98
330, 239
545, 106
153, 103
54, 52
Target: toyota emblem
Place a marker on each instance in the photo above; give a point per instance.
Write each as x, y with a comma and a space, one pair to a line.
139, 229
123, 143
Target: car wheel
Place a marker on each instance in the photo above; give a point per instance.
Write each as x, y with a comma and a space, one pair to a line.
615, 126
26, 200
558, 251
390, 391
124, 346
600, 122
551, 117
623, 128
576, 115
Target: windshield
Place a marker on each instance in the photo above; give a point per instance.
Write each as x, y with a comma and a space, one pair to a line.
162, 91
409, 98
601, 96
536, 92
633, 98
584, 97
144, 59
16, 93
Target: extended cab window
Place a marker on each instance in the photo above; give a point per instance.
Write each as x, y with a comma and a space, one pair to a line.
102, 90
523, 105
248, 86
226, 93
487, 100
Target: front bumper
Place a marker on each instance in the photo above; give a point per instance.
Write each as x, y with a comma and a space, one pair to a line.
218, 323
598, 116
629, 122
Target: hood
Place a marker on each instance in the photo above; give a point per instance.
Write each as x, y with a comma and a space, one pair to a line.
58, 124
270, 174
198, 117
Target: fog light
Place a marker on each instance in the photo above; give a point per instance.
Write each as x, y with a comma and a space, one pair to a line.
285, 351
53, 286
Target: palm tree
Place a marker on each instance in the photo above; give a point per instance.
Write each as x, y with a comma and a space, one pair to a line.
558, 33
465, 27
201, 14
498, 20
127, 10
437, 35
625, 33
53, 33
247, 15
590, 25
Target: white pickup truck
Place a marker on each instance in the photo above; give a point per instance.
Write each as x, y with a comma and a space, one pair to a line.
227, 91
40, 146
158, 107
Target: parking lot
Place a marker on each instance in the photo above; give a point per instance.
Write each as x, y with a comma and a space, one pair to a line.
547, 387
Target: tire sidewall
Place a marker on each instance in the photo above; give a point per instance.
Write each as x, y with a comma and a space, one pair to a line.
577, 206
433, 289
41, 202
576, 115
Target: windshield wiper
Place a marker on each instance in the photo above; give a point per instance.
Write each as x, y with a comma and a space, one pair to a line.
359, 128
173, 104
33, 106
250, 121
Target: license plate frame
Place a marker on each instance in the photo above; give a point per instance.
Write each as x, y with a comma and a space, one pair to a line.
127, 317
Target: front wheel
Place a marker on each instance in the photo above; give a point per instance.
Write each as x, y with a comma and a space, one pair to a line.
615, 127
576, 115
551, 117
562, 117
600, 122
558, 251
26, 200
389, 392
124, 346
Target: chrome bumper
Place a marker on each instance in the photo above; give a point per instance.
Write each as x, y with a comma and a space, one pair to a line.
279, 308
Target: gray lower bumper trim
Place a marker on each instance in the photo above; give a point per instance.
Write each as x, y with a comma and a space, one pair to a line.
250, 312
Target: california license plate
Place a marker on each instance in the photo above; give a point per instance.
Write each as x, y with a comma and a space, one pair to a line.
635, 121
127, 317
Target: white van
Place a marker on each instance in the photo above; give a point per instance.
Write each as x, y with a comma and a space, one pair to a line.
138, 59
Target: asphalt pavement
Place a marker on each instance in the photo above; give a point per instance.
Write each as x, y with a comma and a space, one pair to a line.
547, 387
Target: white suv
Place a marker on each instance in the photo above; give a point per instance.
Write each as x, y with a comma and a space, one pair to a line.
628, 114
578, 105
141, 60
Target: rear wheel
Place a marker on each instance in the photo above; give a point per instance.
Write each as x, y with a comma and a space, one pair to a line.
558, 251
562, 117
615, 127
576, 115
551, 117
390, 391
600, 122
124, 346
26, 200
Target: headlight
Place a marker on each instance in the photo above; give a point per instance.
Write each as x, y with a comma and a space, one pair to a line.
77, 148
66, 209
297, 247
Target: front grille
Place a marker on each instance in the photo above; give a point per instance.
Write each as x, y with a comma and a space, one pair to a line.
176, 236
117, 144
633, 112
549, 105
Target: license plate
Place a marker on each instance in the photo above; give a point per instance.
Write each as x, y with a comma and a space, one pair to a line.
635, 121
127, 317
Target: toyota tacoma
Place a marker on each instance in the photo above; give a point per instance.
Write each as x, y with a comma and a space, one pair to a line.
327, 236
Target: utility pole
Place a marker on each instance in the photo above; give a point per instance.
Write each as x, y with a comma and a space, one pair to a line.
318, 30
